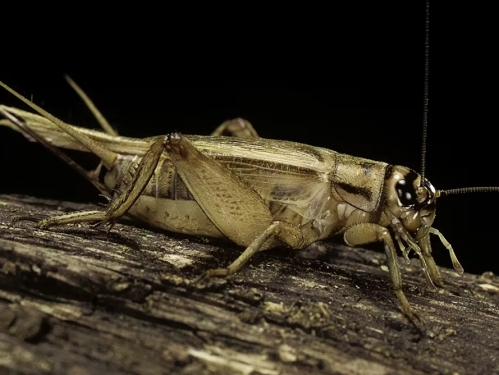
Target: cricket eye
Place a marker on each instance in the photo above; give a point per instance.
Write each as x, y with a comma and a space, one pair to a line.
406, 193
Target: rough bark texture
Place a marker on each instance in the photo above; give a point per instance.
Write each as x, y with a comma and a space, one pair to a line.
78, 300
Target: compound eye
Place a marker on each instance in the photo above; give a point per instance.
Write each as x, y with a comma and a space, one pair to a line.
406, 193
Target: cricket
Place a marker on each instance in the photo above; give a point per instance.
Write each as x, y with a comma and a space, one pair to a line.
257, 193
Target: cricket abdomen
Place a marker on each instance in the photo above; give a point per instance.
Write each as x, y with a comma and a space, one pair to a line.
179, 216
166, 202
308, 189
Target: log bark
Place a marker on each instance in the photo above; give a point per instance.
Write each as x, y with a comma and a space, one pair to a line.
80, 300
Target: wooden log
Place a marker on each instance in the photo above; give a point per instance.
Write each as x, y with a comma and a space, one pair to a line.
79, 300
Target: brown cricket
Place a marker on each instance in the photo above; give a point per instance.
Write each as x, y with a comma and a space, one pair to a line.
255, 192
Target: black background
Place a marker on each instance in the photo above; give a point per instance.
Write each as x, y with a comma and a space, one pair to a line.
347, 79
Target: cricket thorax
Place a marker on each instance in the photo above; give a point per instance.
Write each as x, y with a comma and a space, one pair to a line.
356, 191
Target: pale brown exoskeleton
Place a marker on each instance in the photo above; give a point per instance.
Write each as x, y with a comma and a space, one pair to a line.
256, 192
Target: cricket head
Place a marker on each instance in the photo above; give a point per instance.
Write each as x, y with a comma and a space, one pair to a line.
410, 209
411, 202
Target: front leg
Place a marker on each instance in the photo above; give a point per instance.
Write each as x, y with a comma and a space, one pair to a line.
362, 234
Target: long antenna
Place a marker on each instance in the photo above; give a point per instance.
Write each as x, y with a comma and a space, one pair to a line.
425, 101
478, 189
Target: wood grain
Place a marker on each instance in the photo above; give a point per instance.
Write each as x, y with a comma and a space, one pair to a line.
79, 300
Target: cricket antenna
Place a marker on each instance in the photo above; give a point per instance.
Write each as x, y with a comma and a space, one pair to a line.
425, 101
478, 189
